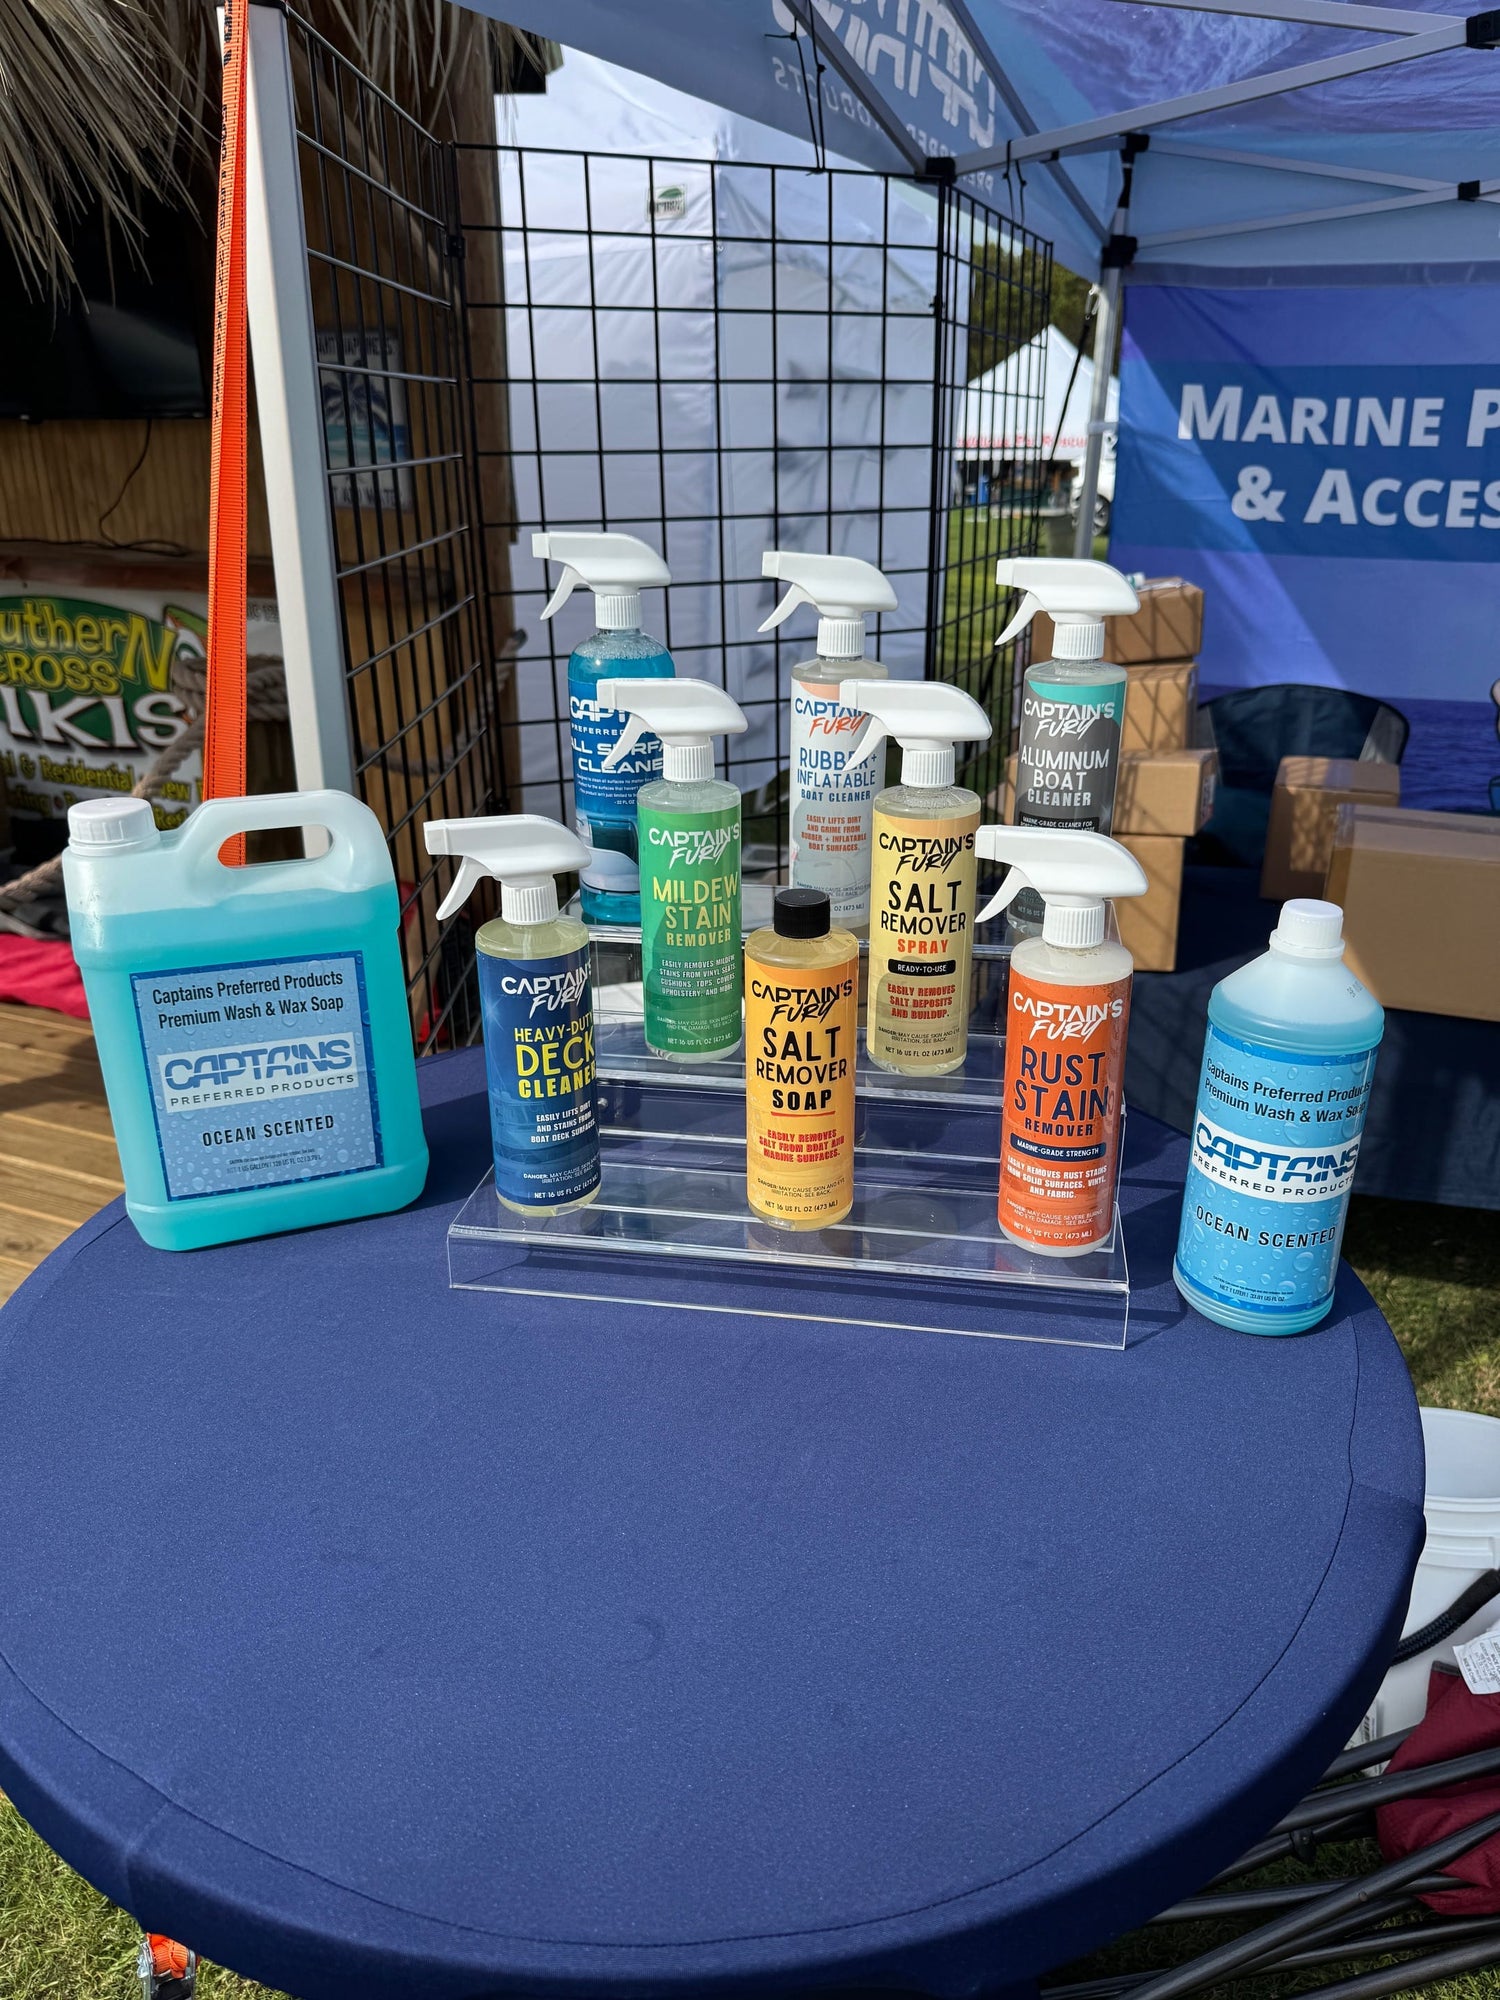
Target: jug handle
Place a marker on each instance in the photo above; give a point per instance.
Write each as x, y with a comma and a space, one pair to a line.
351, 825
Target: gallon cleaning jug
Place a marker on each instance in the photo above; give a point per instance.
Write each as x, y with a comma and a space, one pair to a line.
252, 1023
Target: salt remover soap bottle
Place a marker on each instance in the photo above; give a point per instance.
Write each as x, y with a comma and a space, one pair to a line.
831, 800
616, 568
922, 875
689, 837
1067, 1013
252, 1023
801, 1029
1287, 1068
1073, 705
537, 1001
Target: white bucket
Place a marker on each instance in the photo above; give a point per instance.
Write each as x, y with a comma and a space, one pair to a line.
1462, 1506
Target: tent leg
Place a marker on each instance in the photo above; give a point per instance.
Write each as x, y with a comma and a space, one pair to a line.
1104, 346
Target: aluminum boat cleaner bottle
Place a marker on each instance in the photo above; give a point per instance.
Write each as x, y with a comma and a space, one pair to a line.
922, 875
691, 936
1285, 1085
537, 999
252, 1023
831, 801
1067, 1013
1072, 706
616, 568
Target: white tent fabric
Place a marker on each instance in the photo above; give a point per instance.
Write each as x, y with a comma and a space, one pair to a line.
1052, 431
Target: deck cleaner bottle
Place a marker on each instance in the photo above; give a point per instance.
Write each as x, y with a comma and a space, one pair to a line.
537, 1000
1072, 706
616, 568
1282, 1097
252, 1023
1067, 1012
831, 803
689, 838
922, 875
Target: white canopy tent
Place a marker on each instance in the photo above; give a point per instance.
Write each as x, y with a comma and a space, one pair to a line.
1058, 430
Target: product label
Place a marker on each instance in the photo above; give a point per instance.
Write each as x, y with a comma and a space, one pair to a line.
1059, 1154
260, 1072
1479, 1662
830, 804
1274, 1145
597, 793
691, 946
539, 1058
801, 1024
921, 934
1069, 753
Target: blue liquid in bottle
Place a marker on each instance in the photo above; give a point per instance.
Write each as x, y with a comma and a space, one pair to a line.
604, 801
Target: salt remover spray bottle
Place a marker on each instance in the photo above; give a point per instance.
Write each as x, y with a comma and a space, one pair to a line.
1072, 706
831, 803
689, 839
1287, 1068
1067, 1011
538, 1007
922, 875
616, 568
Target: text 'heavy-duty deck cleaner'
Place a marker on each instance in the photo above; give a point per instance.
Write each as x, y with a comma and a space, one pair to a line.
689, 839
1067, 1014
831, 797
536, 993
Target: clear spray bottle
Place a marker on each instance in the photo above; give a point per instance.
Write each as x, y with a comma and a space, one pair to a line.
922, 875
689, 840
831, 798
1067, 1011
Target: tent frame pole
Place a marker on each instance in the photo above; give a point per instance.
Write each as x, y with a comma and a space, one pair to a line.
1253, 224
1105, 320
1324, 14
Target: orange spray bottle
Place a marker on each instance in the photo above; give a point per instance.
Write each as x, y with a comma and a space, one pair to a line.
1067, 1011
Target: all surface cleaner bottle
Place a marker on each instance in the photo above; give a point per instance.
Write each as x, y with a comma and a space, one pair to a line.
690, 837
922, 875
537, 1000
1285, 1085
1072, 706
616, 568
1067, 1013
831, 800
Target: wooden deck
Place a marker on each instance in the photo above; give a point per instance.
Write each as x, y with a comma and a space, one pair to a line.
57, 1151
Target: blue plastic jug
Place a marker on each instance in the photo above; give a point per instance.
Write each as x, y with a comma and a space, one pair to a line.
252, 1022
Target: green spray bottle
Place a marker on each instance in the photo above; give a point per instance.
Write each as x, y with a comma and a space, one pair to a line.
688, 836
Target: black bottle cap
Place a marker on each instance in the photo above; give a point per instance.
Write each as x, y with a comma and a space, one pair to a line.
801, 913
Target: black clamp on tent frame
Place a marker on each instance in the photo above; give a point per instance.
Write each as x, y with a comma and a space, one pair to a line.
1468, 190
1482, 31
1118, 253
939, 167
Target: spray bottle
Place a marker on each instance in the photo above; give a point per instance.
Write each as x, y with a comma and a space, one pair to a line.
1067, 1011
1287, 1069
831, 802
689, 840
617, 568
922, 875
1072, 706
537, 1000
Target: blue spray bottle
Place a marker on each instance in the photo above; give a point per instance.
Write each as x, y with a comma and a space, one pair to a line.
537, 998
616, 568
1281, 1106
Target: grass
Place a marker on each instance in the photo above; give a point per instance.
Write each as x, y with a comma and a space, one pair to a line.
1435, 1273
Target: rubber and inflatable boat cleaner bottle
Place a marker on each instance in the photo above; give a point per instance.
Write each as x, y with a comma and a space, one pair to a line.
1072, 706
616, 568
536, 995
252, 1023
691, 936
831, 803
1067, 1013
922, 875
1285, 1085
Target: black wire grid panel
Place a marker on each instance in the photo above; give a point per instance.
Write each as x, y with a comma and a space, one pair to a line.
387, 287
724, 358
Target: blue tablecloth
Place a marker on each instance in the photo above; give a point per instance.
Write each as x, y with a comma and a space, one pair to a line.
381, 1640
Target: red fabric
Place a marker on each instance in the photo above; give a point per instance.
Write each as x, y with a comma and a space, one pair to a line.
39, 972
1456, 1724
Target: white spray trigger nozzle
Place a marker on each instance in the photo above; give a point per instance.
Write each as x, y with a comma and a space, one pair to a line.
614, 567
926, 718
1069, 868
843, 590
685, 714
522, 851
1072, 590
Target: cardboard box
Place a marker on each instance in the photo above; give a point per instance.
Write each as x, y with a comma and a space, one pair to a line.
1159, 791
1304, 811
1420, 892
1168, 626
1148, 924
1160, 707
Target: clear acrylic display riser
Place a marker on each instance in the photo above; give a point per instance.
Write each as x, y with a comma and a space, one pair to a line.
921, 1250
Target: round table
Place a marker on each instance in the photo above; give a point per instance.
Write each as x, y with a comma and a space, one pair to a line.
378, 1639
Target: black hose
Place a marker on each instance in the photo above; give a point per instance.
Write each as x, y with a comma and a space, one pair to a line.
1459, 1612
